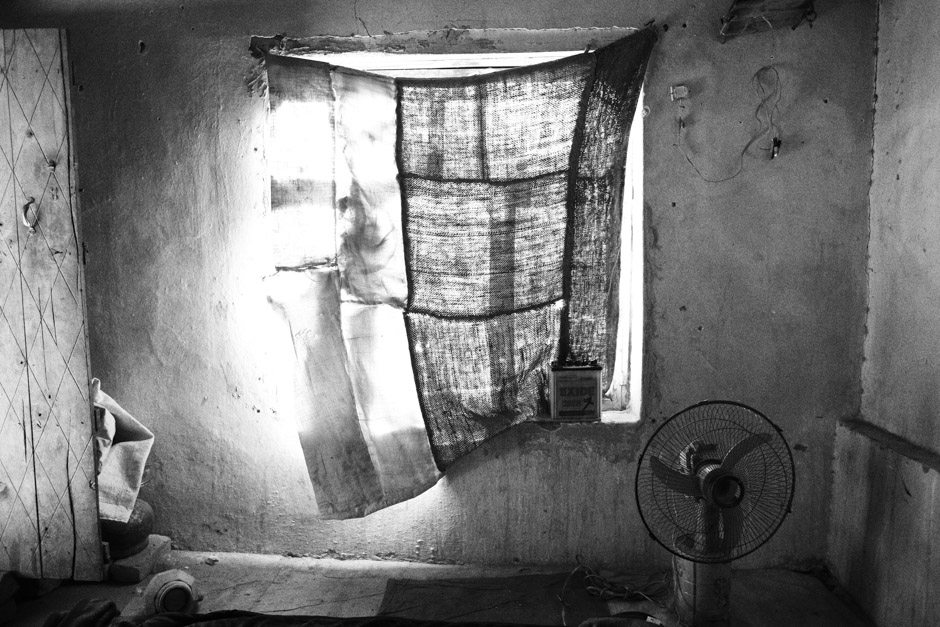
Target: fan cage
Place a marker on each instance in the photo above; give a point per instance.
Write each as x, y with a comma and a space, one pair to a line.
675, 520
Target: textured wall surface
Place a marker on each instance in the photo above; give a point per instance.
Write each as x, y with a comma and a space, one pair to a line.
901, 376
887, 501
756, 286
885, 525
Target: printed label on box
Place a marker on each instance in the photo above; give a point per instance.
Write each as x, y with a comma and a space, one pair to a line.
576, 394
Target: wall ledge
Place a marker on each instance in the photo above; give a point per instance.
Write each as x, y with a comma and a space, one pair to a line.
896, 443
449, 40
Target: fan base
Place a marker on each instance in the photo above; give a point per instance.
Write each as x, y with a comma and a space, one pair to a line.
702, 593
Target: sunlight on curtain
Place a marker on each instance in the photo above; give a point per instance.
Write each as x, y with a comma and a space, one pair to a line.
475, 229
302, 175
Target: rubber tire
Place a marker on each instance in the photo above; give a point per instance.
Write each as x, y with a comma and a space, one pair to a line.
130, 538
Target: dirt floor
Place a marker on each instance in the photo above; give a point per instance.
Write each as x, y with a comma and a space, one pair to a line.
353, 588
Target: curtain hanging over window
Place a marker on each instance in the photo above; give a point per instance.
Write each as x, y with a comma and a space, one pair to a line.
439, 243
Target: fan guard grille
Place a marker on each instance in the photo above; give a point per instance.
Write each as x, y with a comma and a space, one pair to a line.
675, 520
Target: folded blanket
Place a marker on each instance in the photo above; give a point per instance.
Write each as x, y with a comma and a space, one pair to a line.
101, 613
86, 613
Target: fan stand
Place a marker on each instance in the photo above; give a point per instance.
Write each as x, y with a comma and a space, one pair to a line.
702, 593
714, 482
703, 590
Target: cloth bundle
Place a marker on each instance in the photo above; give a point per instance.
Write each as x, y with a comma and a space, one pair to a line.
124, 446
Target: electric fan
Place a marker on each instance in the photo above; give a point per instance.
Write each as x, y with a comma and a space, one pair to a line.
714, 483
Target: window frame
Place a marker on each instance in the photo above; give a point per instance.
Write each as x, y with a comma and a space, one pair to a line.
470, 51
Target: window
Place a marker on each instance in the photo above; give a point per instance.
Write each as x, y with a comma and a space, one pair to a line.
439, 242
622, 397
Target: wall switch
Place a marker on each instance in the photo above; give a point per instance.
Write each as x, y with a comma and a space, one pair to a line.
678, 92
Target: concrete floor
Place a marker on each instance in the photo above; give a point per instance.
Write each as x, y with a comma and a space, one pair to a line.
346, 588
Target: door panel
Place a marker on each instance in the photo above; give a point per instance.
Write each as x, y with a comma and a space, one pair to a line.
48, 493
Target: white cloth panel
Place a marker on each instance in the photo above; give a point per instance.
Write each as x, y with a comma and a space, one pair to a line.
371, 258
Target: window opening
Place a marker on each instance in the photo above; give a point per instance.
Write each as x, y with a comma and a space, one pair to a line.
621, 400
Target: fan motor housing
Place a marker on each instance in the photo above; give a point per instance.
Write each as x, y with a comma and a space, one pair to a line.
722, 488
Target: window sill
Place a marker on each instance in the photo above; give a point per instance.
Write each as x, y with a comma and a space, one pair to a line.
625, 416
629, 416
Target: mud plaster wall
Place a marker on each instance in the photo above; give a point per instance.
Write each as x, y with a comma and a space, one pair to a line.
886, 523
901, 377
886, 496
755, 286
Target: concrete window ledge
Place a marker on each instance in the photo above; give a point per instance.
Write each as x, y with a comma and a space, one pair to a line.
449, 40
901, 446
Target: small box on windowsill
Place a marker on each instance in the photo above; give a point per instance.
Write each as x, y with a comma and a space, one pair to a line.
575, 393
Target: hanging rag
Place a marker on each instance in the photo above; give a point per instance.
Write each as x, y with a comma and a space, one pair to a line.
123, 446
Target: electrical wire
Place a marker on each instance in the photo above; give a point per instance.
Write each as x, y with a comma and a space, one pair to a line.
770, 93
765, 94
655, 590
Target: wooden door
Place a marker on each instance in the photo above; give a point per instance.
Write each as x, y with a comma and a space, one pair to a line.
48, 492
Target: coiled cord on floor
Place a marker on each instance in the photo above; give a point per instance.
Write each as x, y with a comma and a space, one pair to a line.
654, 590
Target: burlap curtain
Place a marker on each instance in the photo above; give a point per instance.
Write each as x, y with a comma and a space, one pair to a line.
439, 243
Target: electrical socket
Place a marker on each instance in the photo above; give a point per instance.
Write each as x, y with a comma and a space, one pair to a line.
678, 92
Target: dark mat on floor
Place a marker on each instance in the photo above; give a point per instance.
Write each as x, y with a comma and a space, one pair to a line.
527, 599
104, 613
778, 597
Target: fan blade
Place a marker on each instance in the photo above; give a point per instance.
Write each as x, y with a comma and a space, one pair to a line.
732, 525
675, 480
740, 450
